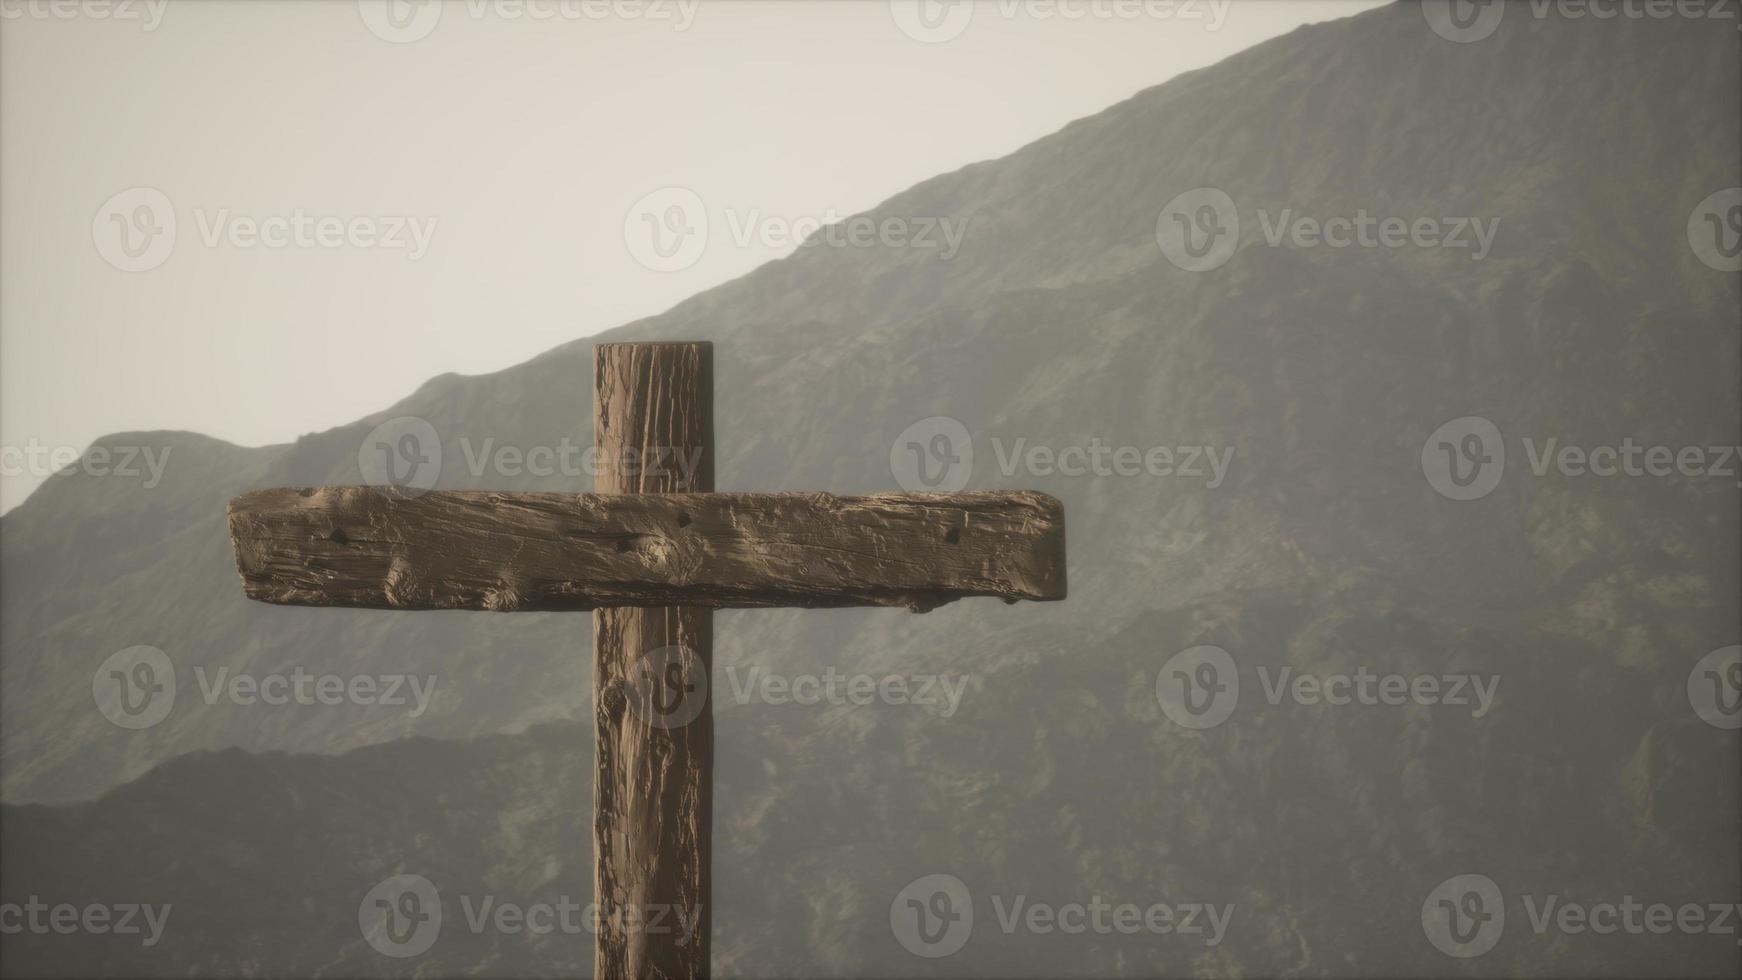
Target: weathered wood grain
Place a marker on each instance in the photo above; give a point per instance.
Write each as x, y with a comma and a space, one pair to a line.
653, 777
652, 552
379, 548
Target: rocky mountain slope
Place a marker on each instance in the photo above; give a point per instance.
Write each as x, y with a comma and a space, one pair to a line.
1585, 145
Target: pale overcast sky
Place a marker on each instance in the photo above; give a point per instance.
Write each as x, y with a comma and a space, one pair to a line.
448, 187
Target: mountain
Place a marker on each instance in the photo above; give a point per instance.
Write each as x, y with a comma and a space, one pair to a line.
1584, 146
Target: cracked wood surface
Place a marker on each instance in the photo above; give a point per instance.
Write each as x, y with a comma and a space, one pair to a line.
382, 548
653, 552
653, 744
652, 555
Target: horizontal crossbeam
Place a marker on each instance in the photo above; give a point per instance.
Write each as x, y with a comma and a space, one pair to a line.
383, 548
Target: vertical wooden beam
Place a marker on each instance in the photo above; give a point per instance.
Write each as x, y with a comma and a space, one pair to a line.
653, 793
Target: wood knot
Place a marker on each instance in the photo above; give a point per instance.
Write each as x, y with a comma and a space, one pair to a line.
653, 549
614, 701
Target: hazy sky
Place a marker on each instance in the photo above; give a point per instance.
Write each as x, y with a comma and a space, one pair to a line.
367, 194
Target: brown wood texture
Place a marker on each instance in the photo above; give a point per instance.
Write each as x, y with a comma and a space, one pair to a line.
653, 551
380, 548
653, 789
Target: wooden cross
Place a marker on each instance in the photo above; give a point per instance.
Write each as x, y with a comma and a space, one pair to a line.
652, 555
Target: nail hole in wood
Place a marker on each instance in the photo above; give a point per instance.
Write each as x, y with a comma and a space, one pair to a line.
683, 520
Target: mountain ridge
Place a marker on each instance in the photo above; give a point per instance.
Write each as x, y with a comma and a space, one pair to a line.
1326, 550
